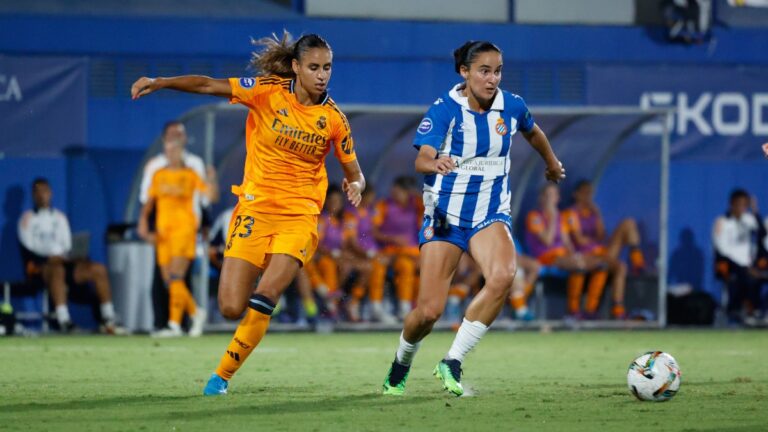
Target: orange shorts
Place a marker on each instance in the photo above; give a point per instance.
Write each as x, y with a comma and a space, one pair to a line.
411, 251
550, 256
252, 236
175, 243
597, 250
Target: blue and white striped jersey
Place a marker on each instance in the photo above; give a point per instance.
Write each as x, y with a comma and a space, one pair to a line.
479, 144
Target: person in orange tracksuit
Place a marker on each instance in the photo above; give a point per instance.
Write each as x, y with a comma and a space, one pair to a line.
334, 263
291, 127
361, 244
588, 234
527, 274
547, 236
171, 193
396, 228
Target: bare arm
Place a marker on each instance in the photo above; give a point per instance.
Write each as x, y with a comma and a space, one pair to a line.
600, 225
354, 182
143, 225
579, 237
211, 185
187, 83
427, 162
538, 140
548, 236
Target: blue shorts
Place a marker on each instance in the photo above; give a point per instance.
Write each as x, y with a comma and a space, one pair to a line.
456, 235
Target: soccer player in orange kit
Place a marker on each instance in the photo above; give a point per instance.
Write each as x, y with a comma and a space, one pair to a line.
291, 127
172, 193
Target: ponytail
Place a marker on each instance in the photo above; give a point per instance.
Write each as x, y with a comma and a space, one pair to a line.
274, 56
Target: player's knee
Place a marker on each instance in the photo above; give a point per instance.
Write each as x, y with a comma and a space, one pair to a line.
629, 224
231, 310
230, 306
429, 314
500, 279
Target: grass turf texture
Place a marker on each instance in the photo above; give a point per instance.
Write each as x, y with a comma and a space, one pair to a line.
310, 382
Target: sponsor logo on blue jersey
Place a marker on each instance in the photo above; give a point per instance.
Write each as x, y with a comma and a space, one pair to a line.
425, 126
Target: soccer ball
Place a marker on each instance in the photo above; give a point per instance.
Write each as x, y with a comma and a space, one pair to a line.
654, 376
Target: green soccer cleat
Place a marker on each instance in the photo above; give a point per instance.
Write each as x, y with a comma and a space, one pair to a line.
394, 383
449, 372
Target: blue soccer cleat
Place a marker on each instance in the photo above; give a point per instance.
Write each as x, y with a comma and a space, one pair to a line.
216, 386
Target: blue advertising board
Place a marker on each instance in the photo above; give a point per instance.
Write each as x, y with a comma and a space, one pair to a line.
43, 103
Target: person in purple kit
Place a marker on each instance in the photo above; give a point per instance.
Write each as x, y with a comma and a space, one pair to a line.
324, 270
362, 245
396, 228
588, 234
547, 237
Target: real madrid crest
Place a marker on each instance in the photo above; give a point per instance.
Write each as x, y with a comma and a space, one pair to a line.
321, 122
501, 128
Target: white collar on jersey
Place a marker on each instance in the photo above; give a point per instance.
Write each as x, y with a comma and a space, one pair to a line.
498, 100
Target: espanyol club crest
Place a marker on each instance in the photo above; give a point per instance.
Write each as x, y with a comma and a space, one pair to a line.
501, 128
429, 232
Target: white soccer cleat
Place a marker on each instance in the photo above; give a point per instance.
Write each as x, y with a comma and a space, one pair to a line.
198, 322
168, 333
379, 314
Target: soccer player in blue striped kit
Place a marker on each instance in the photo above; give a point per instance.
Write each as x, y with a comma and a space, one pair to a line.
463, 144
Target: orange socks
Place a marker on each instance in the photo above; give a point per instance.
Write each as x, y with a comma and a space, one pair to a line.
520, 300
575, 287
248, 334
376, 281
595, 290
405, 279
329, 271
636, 258
180, 301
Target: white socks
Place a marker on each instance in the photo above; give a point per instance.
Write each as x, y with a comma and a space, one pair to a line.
467, 337
107, 311
62, 314
406, 351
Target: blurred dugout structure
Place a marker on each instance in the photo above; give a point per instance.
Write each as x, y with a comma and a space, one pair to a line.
608, 145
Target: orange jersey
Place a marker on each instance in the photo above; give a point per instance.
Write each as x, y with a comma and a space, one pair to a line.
286, 145
173, 190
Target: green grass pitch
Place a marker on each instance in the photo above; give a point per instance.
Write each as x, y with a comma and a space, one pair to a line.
563, 381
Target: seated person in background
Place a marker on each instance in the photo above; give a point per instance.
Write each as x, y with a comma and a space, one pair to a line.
522, 286
362, 245
46, 241
734, 236
548, 240
333, 263
396, 228
466, 282
171, 196
587, 232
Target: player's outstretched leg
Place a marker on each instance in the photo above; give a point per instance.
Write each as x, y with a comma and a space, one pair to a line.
248, 334
394, 383
438, 263
493, 250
